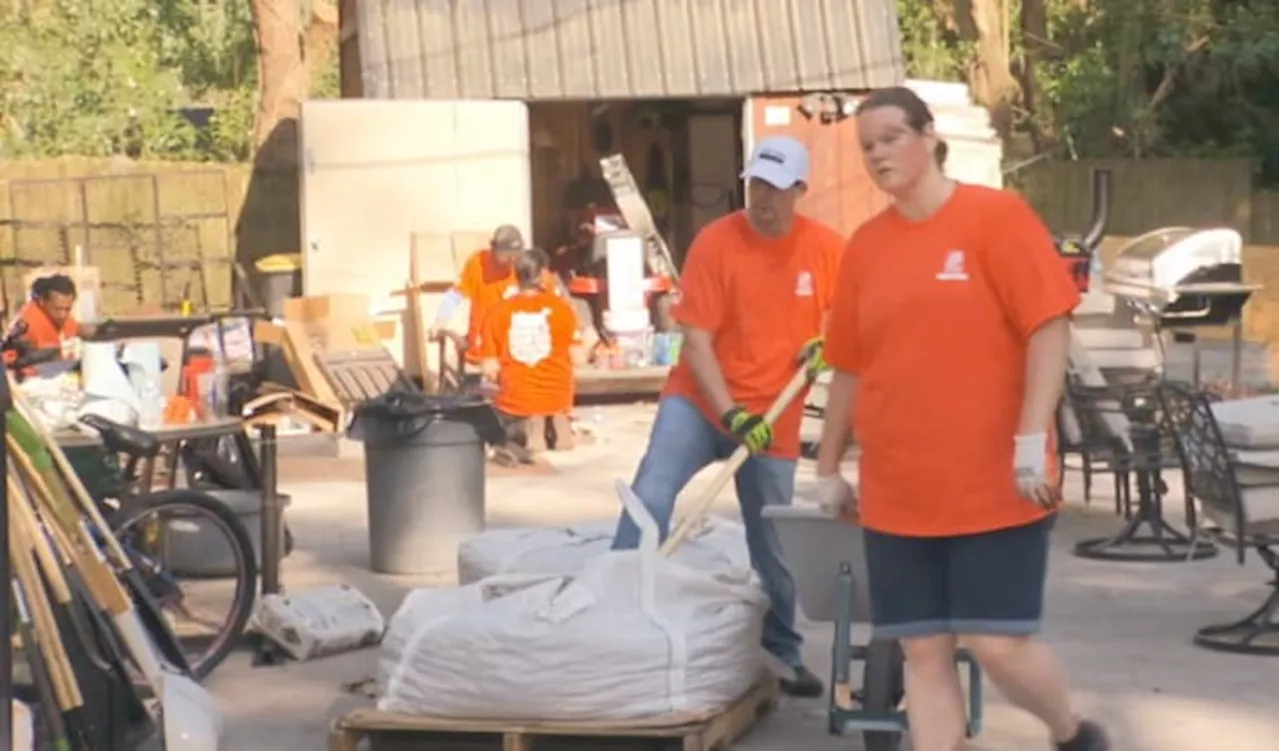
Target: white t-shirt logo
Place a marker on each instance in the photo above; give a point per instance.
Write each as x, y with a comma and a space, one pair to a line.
804, 284
953, 268
529, 336
510, 291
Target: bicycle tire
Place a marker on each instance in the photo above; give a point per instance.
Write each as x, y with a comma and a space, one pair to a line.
246, 582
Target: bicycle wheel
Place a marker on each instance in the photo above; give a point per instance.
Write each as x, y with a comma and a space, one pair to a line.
166, 535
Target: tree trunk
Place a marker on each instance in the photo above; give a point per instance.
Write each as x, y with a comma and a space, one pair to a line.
282, 80
1035, 39
985, 23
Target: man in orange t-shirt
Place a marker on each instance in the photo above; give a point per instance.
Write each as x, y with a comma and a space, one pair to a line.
753, 295
488, 277
48, 317
526, 345
948, 338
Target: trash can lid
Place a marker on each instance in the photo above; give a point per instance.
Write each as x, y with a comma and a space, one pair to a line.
404, 404
279, 263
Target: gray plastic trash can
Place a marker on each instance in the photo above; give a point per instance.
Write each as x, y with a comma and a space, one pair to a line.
424, 463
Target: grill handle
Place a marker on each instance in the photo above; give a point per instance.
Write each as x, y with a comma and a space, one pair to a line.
1101, 210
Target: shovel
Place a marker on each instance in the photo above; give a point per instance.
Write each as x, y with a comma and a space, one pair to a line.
702, 504
191, 721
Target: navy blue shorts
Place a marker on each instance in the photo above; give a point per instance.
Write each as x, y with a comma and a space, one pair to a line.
986, 583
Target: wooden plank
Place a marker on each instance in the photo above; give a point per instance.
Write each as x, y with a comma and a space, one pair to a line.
704, 731
601, 382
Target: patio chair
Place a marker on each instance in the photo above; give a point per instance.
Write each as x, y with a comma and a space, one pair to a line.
1244, 503
1082, 433
827, 561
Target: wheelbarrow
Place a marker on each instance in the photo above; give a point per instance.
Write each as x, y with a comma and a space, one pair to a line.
827, 561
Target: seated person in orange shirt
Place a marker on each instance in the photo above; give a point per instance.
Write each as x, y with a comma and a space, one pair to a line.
526, 346
48, 317
488, 278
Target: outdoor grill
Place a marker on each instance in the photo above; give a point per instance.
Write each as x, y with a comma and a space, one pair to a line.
1182, 278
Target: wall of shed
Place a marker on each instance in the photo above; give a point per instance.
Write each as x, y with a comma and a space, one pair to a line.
603, 49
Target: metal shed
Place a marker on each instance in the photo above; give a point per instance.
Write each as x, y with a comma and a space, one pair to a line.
607, 49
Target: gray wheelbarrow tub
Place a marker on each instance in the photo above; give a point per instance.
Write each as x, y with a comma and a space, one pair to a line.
816, 546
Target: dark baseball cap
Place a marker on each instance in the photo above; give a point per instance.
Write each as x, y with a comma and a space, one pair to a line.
507, 237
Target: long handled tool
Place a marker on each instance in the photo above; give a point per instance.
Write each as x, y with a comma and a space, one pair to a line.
190, 718
702, 504
55, 554
66, 687
41, 679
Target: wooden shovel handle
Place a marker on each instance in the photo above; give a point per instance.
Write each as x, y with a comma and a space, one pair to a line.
702, 503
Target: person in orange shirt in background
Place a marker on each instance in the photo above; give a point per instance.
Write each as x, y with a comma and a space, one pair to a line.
48, 317
526, 346
753, 295
487, 278
948, 337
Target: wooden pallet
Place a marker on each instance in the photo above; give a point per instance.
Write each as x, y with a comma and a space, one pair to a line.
710, 731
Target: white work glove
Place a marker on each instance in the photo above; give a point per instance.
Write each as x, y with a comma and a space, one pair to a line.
836, 497
1030, 470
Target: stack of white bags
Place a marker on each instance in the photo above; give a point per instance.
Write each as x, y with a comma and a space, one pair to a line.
576, 632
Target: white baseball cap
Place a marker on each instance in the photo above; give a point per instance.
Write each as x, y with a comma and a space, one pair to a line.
781, 161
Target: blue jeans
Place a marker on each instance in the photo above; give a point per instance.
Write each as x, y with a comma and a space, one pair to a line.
681, 444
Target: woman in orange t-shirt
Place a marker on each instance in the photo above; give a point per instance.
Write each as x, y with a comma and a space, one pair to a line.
526, 345
948, 335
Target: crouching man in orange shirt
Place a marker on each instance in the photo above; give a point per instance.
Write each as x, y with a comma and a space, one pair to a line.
526, 345
948, 336
487, 278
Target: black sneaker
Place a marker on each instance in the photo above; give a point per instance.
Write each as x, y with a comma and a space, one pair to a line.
1089, 737
805, 685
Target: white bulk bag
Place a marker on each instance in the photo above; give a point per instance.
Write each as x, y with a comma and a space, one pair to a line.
632, 635
715, 544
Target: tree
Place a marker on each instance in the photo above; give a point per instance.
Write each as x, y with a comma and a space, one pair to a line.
282, 77
1111, 77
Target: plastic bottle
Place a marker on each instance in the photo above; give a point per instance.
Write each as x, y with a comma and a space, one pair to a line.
218, 400
151, 405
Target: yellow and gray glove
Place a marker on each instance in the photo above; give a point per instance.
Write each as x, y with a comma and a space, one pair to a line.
813, 357
750, 430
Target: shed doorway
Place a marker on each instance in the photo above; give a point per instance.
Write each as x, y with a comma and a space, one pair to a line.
686, 156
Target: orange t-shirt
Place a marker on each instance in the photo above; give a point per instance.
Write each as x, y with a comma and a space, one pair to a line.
933, 318
531, 336
41, 332
485, 282
761, 299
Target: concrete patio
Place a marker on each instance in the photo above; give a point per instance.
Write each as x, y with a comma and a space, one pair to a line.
1122, 629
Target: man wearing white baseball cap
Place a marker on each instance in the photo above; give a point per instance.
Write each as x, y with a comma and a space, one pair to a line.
753, 298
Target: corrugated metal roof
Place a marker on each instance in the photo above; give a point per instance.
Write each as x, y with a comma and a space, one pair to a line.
599, 49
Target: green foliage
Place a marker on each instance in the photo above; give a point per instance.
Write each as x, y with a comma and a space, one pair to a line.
1195, 78
931, 50
88, 77
104, 77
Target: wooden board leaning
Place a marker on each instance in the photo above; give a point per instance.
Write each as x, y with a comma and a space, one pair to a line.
706, 731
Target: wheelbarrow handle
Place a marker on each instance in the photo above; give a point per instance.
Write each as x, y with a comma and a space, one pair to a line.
702, 504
